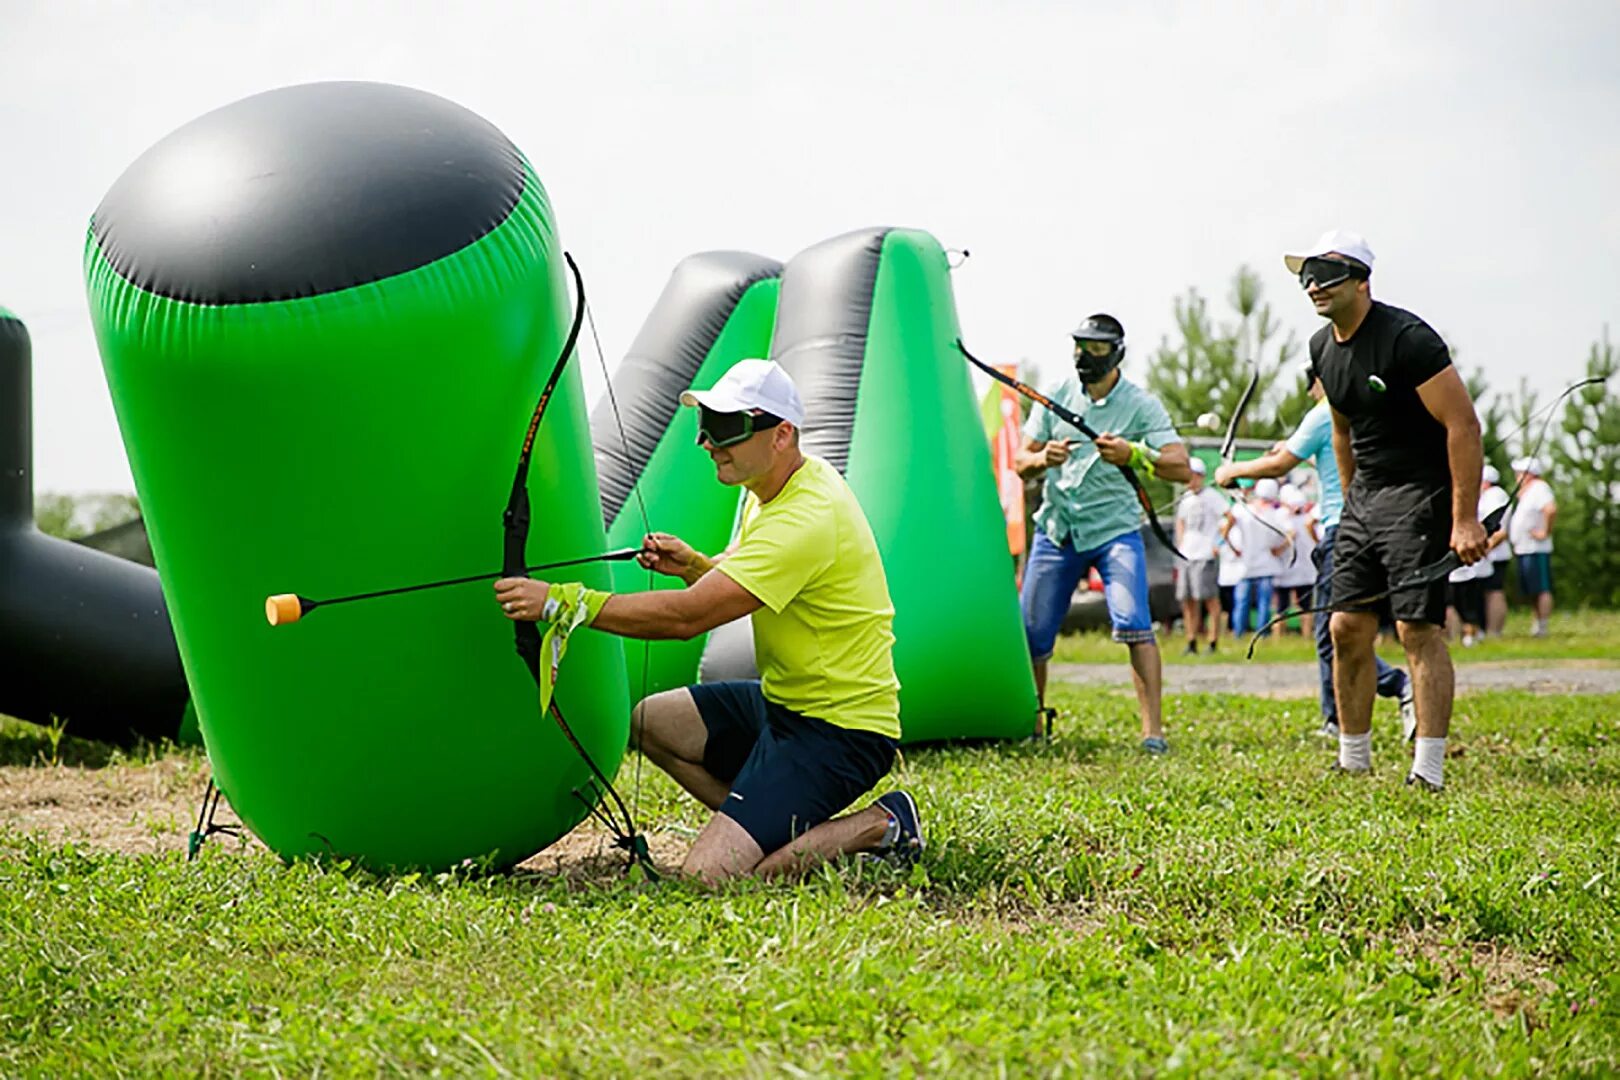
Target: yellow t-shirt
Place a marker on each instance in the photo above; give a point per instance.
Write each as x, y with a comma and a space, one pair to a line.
824, 641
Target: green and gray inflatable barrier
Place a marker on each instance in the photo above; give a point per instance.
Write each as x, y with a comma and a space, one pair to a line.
866, 325
717, 308
325, 313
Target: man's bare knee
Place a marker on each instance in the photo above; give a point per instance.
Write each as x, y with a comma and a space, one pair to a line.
1416, 636
668, 724
1352, 630
724, 849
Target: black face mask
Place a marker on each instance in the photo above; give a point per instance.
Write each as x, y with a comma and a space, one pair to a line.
1092, 368
1317, 272
724, 429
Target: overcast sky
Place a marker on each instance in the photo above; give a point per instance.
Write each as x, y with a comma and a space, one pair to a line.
1091, 156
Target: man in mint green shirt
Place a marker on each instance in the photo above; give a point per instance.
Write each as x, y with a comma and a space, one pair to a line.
1090, 515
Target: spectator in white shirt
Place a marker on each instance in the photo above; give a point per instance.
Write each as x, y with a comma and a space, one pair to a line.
1530, 533
1255, 532
1295, 579
1228, 575
1491, 498
1198, 530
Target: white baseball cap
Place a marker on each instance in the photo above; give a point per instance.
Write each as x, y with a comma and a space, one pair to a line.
1197, 466
1527, 464
1343, 241
1266, 488
752, 384
1490, 475
1292, 497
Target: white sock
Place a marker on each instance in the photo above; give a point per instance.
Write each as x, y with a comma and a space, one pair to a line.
1429, 761
1355, 751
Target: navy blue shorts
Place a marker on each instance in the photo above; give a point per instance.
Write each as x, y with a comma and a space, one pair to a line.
788, 773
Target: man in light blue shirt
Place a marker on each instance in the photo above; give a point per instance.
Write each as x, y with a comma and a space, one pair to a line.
1090, 514
1313, 441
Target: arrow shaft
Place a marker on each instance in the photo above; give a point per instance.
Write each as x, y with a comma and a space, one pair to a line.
611, 556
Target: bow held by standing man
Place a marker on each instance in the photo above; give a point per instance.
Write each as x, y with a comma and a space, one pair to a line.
1091, 512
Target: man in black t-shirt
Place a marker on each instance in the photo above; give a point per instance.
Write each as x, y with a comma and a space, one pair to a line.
1407, 442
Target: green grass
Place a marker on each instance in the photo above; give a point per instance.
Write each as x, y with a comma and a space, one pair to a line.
1231, 909
1579, 635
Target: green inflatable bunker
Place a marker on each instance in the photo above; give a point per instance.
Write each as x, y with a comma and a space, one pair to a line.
866, 326
325, 314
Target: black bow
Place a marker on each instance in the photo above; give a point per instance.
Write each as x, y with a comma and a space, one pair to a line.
515, 521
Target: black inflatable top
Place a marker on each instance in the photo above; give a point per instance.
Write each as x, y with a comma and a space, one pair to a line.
307, 190
820, 339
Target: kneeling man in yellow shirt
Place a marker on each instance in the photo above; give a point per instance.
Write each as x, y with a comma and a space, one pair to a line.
776, 757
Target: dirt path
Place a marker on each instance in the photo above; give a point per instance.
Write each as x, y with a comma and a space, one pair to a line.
151, 808
1299, 680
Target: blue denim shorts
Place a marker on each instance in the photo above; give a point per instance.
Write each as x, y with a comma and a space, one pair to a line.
1053, 572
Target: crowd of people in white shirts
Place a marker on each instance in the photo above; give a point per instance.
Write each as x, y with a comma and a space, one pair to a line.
1262, 544
1478, 602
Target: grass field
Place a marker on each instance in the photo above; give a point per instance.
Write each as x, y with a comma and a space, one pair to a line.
1234, 909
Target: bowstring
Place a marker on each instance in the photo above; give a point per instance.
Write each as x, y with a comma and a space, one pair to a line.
646, 524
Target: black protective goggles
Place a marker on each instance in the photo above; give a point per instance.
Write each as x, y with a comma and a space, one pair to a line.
1319, 273
723, 429
1102, 350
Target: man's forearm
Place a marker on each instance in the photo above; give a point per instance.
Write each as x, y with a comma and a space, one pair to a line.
659, 615
1271, 464
1028, 465
1466, 453
1173, 464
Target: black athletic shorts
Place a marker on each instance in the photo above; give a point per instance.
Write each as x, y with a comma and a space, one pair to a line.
1385, 534
788, 772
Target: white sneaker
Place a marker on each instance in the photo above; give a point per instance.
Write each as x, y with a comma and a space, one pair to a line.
1408, 712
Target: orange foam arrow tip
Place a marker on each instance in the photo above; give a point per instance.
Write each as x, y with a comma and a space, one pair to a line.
283, 608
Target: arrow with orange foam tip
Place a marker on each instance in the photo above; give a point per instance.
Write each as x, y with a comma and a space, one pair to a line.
284, 609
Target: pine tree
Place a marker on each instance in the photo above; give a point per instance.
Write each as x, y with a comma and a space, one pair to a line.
1585, 476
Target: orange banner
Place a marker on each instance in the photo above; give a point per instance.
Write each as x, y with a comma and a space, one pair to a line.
1003, 445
